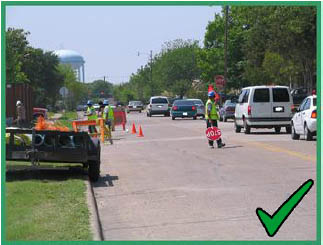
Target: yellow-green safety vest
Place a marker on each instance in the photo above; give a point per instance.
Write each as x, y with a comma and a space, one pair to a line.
110, 113
214, 113
93, 116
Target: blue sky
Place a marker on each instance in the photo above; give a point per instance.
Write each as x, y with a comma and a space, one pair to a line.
109, 37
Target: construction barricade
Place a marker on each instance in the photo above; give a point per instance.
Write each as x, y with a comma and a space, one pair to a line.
120, 119
104, 130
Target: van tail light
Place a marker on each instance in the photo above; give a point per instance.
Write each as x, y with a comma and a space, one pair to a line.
193, 108
292, 108
249, 110
169, 105
175, 108
313, 115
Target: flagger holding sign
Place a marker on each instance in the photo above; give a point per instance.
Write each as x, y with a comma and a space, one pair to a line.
211, 116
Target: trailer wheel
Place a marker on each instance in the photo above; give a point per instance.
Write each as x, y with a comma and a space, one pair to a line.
94, 170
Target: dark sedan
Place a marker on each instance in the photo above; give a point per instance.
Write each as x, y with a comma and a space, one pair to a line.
184, 108
227, 111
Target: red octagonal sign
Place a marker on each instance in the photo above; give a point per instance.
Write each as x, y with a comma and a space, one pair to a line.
213, 133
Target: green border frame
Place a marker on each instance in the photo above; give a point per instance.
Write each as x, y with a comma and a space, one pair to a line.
317, 4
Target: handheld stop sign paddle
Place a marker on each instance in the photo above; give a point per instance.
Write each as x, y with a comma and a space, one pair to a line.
213, 133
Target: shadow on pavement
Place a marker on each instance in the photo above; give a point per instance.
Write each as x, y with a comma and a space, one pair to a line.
105, 181
232, 147
269, 133
20, 173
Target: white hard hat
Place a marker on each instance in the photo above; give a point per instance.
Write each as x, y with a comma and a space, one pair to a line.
18, 102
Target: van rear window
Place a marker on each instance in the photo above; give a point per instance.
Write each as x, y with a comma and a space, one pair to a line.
261, 95
159, 101
280, 95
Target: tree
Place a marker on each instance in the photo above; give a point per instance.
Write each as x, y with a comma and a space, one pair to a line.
77, 90
100, 89
16, 44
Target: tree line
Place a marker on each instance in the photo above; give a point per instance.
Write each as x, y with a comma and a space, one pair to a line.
265, 45
43, 72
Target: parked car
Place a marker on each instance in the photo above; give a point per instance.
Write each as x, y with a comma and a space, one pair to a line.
81, 107
96, 107
158, 105
199, 107
184, 108
135, 106
299, 95
264, 107
304, 120
227, 110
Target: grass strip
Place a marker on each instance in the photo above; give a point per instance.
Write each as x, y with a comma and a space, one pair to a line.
46, 205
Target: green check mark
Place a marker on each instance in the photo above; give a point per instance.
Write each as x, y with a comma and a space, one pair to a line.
272, 223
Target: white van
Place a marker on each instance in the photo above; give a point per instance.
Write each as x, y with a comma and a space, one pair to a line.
264, 107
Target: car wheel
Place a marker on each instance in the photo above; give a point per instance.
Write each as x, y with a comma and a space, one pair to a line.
277, 130
173, 118
225, 119
203, 116
139, 111
128, 112
246, 127
221, 119
194, 118
288, 129
294, 135
308, 134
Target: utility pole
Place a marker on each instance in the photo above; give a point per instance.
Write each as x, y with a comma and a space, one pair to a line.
226, 47
151, 71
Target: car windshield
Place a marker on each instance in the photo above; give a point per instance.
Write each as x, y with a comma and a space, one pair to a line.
183, 102
314, 101
159, 101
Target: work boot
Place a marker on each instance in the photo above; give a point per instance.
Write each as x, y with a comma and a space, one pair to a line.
221, 145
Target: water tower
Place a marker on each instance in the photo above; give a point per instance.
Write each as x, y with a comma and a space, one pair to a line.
74, 59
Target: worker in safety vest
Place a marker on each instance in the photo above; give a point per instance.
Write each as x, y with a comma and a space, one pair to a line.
211, 116
108, 114
91, 115
101, 109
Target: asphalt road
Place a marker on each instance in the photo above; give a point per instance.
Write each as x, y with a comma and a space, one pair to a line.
168, 185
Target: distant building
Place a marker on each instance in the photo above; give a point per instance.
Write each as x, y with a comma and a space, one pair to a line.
74, 59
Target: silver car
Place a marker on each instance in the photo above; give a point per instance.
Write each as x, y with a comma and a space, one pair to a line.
158, 105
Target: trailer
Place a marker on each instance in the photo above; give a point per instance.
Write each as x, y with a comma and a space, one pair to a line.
54, 146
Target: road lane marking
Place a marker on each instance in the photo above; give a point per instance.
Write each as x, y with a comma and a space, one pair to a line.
283, 150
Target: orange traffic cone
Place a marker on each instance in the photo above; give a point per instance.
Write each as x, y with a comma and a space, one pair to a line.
140, 132
133, 129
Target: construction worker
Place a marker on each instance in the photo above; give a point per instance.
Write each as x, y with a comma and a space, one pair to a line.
108, 114
91, 115
211, 116
101, 109
21, 114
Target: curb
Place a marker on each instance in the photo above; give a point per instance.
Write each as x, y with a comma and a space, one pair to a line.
95, 221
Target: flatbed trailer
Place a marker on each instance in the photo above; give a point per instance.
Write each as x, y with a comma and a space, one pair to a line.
54, 146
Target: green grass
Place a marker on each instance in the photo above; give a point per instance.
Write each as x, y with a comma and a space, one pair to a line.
46, 205
50, 114
67, 118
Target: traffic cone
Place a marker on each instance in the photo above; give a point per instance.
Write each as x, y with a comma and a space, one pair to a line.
140, 132
133, 129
